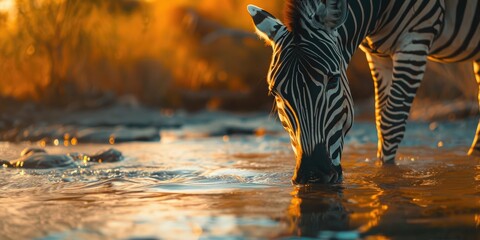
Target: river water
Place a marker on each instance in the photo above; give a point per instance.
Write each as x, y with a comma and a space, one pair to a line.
238, 186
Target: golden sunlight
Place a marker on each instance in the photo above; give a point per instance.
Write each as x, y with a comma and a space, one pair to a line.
7, 12
146, 119
7, 5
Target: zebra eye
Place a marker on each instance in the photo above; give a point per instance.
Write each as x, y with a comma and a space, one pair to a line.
333, 81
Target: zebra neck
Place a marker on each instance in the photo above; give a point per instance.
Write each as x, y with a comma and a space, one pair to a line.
364, 17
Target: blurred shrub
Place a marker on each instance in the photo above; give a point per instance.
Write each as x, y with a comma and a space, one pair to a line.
183, 53
171, 53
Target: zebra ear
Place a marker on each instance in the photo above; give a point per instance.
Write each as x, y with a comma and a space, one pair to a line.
331, 15
267, 26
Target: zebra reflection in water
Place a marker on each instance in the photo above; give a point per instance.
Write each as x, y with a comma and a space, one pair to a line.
311, 52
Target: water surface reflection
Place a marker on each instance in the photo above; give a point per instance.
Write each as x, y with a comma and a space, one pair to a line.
240, 188
315, 209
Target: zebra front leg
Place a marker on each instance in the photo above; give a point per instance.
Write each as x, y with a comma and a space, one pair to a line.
475, 148
408, 70
381, 70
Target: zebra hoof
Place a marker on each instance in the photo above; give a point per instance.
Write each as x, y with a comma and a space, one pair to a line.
389, 162
382, 162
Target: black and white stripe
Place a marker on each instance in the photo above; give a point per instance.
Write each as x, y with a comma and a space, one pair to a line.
409, 33
311, 53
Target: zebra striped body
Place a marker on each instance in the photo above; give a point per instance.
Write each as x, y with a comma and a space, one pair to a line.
409, 33
457, 35
456, 42
311, 54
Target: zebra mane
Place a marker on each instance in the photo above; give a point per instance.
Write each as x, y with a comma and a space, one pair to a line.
294, 11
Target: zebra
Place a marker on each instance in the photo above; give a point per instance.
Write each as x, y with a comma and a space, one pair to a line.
311, 51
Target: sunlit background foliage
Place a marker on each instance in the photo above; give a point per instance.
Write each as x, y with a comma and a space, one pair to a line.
183, 54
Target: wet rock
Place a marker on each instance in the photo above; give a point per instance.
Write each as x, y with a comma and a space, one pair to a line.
87, 134
109, 155
117, 134
44, 160
32, 150
38, 158
220, 124
5, 163
78, 156
128, 115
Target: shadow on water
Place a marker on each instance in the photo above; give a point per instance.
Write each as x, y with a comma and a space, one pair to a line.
319, 211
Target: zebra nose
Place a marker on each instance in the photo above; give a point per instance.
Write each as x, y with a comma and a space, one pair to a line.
315, 177
316, 168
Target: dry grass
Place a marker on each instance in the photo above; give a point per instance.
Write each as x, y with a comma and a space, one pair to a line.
170, 53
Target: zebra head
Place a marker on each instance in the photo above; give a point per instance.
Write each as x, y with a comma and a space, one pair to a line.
307, 77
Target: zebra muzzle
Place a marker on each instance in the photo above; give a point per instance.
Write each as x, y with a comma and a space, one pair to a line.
316, 177
317, 168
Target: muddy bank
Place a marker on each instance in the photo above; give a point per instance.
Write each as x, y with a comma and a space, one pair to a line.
126, 120
123, 121
116, 123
